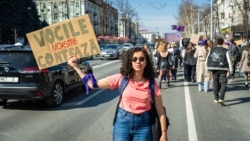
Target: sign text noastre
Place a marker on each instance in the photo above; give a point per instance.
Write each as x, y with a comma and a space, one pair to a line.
54, 44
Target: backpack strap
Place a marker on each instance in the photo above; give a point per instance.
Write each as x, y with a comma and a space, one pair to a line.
122, 87
152, 92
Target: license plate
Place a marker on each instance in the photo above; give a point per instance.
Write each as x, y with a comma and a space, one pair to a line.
8, 79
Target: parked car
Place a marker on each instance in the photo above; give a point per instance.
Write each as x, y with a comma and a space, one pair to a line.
126, 46
101, 47
20, 78
111, 51
152, 45
139, 45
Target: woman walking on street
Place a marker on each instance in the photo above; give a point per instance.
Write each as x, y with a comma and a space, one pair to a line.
175, 56
163, 64
133, 117
244, 63
190, 62
202, 75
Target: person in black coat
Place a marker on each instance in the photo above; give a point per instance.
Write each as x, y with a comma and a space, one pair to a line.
190, 63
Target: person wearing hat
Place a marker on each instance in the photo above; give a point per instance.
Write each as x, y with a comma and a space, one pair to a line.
202, 75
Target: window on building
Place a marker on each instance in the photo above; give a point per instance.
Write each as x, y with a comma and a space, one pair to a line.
77, 5
55, 16
44, 5
65, 5
222, 15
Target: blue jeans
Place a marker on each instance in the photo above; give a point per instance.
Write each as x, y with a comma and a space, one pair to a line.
203, 84
132, 127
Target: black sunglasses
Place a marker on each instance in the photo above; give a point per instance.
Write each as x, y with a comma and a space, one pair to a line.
141, 59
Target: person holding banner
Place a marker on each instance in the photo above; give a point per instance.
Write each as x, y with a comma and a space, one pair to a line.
132, 122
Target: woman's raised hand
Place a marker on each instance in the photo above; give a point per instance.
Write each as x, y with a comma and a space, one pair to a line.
72, 61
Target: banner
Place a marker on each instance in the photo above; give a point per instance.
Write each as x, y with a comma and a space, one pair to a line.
53, 45
172, 37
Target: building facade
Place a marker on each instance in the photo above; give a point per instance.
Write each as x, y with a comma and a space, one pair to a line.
232, 18
104, 17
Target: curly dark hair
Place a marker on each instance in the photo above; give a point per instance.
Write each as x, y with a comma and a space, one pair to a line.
126, 64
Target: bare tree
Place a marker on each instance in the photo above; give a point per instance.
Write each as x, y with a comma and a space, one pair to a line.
244, 7
188, 16
127, 13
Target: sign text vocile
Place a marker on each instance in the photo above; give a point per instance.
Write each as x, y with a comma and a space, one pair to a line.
53, 45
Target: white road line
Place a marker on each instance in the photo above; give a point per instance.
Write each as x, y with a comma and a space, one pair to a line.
106, 64
98, 92
89, 97
192, 134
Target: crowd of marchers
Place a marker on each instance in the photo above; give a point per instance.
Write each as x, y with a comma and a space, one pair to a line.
210, 64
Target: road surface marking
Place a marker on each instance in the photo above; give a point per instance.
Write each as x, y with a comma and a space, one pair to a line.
99, 91
98, 66
89, 97
192, 134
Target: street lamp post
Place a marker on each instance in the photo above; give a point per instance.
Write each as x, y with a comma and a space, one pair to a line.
198, 20
211, 20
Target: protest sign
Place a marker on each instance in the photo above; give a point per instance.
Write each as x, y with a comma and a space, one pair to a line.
53, 45
194, 38
172, 37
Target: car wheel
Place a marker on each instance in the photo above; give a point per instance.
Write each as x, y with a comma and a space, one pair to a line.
4, 102
57, 95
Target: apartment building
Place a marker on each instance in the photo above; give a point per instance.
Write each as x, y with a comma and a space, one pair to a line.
104, 17
232, 18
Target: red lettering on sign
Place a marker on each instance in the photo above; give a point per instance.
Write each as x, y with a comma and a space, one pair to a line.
64, 44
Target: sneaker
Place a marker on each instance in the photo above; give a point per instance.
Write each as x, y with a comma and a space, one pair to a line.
216, 101
205, 91
199, 90
163, 81
221, 101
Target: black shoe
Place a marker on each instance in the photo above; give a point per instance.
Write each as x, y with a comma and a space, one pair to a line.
168, 83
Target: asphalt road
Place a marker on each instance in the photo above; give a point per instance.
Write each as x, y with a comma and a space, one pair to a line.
193, 114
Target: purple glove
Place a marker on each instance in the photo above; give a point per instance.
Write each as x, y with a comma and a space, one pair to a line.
85, 80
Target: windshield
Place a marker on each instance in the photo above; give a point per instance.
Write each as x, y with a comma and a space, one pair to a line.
110, 47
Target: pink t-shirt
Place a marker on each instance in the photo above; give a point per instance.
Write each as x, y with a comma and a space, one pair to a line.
136, 96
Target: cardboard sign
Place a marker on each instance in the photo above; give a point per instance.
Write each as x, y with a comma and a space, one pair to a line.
238, 42
194, 38
53, 45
